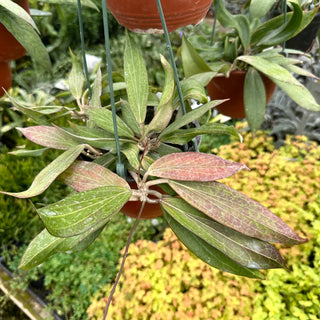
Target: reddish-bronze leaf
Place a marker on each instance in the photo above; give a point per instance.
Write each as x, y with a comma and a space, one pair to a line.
194, 166
83, 176
49, 137
235, 210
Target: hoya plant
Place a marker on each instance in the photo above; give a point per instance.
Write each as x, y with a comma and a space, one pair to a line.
250, 46
218, 224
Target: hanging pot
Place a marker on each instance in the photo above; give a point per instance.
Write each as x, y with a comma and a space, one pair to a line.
10, 48
232, 88
143, 15
150, 211
5, 77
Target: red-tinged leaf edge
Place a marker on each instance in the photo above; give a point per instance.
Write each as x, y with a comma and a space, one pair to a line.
194, 166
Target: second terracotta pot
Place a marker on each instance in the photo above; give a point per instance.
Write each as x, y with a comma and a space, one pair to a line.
143, 15
150, 211
232, 88
5, 77
10, 48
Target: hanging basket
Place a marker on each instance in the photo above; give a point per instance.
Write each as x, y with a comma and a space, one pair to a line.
143, 16
232, 88
5, 77
10, 48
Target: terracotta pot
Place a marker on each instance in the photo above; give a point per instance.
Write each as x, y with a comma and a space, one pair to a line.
232, 88
143, 15
5, 77
150, 211
10, 48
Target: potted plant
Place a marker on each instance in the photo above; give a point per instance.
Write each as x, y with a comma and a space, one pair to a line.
5, 77
247, 49
221, 226
145, 16
10, 48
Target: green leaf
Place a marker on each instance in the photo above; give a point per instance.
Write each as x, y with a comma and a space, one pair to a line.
194, 166
103, 118
44, 245
254, 99
29, 153
46, 176
27, 36
165, 108
258, 8
207, 253
131, 152
190, 116
129, 118
235, 210
76, 78
192, 63
248, 252
87, 3
136, 78
83, 176
82, 211
183, 136
285, 80
95, 100
49, 137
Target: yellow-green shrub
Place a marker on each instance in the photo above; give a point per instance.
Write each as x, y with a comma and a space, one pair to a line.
163, 281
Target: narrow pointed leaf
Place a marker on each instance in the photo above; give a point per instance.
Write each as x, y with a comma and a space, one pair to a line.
235, 210
83, 176
44, 245
190, 116
43, 180
49, 137
131, 152
136, 79
194, 166
247, 251
82, 211
128, 117
207, 253
183, 136
258, 8
103, 118
254, 96
76, 78
95, 100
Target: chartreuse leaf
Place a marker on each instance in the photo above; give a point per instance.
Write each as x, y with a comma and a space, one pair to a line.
128, 117
46, 176
207, 252
165, 108
95, 100
103, 118
136, 78
82, 211
194, 166
131, 152
49, 137
76, 78
254, 96
182, 136
258, 8
25, 33
247, 251
192, 63
45, 245
285, 80
235, 210
83, 176
190, 116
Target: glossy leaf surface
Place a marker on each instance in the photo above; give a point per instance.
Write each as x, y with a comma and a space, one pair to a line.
46, 176
247, 251
194, 166
83, 176
235, 210
207, 253
82, 211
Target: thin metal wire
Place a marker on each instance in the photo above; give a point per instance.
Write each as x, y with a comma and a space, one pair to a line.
120, 168
216, 10
83, 50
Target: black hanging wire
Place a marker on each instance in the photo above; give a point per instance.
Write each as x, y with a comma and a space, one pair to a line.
120, 168
83, 50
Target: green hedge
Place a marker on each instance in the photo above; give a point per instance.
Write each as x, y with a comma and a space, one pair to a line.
164, 281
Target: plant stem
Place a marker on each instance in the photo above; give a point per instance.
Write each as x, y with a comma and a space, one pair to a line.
122, 263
